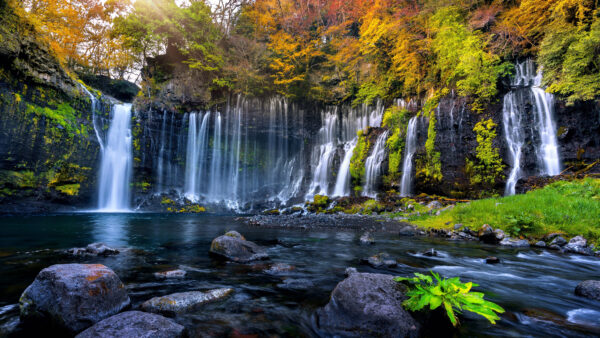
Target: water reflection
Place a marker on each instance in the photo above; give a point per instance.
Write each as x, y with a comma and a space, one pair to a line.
110, 229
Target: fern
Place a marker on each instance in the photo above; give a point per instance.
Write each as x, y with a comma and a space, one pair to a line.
451, 293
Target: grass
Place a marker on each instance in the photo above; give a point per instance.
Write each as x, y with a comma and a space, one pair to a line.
572, 208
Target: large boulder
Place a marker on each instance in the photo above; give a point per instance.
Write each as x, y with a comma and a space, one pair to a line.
367, 304
184, 301
134, 324
588, 289
234, 247
73, 296
578, 244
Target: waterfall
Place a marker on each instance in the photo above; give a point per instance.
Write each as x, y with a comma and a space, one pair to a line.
407, 165
515, 126
196, 152
373, 166
514, 139
548, 151
339, 130
94, 102
342, 184
116, 166
161, 153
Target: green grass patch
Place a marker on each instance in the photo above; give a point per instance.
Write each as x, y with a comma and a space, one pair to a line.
569, 207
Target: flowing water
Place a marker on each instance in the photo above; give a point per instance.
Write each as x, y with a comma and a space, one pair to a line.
407, 164
526, 282
116, 165
526, 85
373, 165
342, 183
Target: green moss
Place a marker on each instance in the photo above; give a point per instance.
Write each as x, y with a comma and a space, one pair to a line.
430, 169
395, 119
487, 168
357, 162
63, 115
25, 179
69, 189
166, 200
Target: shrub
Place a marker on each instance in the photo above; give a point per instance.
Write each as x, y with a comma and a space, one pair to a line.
454, 295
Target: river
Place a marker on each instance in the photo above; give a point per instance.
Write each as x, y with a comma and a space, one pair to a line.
526, 281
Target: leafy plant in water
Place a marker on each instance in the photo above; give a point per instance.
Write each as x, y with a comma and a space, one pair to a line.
451, 293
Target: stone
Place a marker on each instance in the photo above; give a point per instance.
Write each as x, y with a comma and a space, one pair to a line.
492, 260
578, 244
457, 226
487, 235
94, 249
559, 240
184, 301
366, 239
74, 296
134, 324
279, 268
170, 274
515, 243
380, 260
434, 205
540, 244
430, 253
350, 271
408, 231
234, 247
367, 305
499, 234
588, 289
296, 284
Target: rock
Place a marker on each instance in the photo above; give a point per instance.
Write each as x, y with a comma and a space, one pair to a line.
380, 260
458, 226
465, 236
515, 243
551, 236
578, 245
184, 301
408, 231
588, 289
94, 249
558, 240
74, 296
279, 268
430, 253
554, 247
367, 305
487, 235
170, 274
234, 247
492, 260
366, 239
470, 232
350, 271
296, 284
134, 324
434, 205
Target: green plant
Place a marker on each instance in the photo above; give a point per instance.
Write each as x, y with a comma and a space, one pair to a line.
520, 224
454, 295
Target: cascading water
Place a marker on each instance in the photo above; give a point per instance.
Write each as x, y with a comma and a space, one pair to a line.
514, 139
94, 103
116, 166
545, 144
407, 165
234, 162
342, 183
339, 130
373, 166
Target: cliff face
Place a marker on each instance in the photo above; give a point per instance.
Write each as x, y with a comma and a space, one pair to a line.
48, 151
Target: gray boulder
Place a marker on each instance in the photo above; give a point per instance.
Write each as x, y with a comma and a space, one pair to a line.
588, 289
380, 260
515, 243
73, 296
540, 244
578, 245
558, 240
94, 249
366, 239
134, 324
234, 247
488, 235
184, 301
367, 305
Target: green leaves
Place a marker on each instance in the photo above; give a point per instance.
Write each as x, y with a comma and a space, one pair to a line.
454, 295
